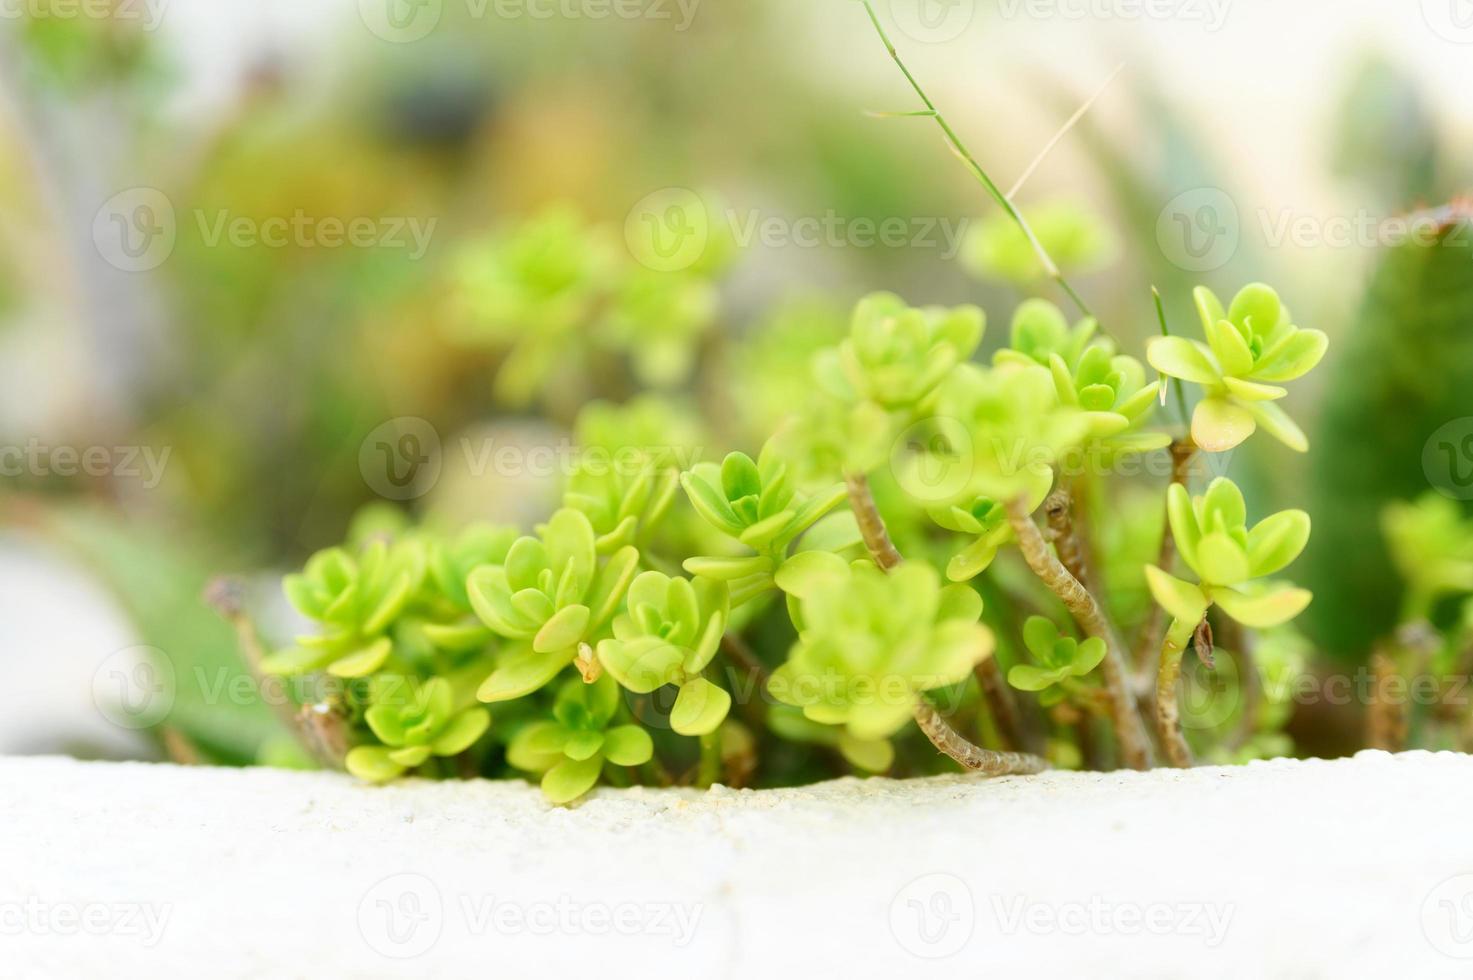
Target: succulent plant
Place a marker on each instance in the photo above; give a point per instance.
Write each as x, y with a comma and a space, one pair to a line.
571, 749
1431, 544
896, 355
756, 504
414, 721
870, 645
670, 632
1110, 388
1252, 347
1014, 427
1059, 659
356, 599
552, 593
1214, 540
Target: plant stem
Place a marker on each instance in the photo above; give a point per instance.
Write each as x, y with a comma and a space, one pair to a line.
1168, 714
1183, 451
1058, 508
950, 743
941, 734
317, 729
1051, 268
1135, 748
871, 524
1000, 702
709, 772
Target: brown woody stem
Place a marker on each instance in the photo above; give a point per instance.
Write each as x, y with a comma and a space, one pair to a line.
950, 743
1135, 748
871, 524
947, 739
317, 729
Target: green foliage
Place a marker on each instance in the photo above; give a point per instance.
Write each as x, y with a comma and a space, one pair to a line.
670, 633
356, 598
755, 504
1059, 659
555, 287
1403, 373
1076, 238
552, 593
1214, 540
414, 721
1252, 346
1109, 388
870, 644
571, 749
1431, 545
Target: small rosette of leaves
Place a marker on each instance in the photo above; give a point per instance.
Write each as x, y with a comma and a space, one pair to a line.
756, 504
414, 721
1059, 661
553, 593
1015, 427
571, 749
670, 631
356, 599
1252, 347
1109, 388
896, 355
1214, 540
871, 644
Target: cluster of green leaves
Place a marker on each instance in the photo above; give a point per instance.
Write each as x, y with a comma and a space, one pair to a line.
1252, 347
597, 640
556, 292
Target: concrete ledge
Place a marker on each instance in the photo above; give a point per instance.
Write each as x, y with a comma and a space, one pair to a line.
1352, 868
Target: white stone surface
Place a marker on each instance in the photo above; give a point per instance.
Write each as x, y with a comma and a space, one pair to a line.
1285, 869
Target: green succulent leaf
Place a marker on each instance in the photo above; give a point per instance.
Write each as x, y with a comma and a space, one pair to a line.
699, 708
373, 763
570, 779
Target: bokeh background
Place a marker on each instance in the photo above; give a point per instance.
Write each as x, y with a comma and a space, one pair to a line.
246, 243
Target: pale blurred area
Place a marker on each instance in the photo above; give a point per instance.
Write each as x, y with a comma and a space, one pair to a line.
262, 374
